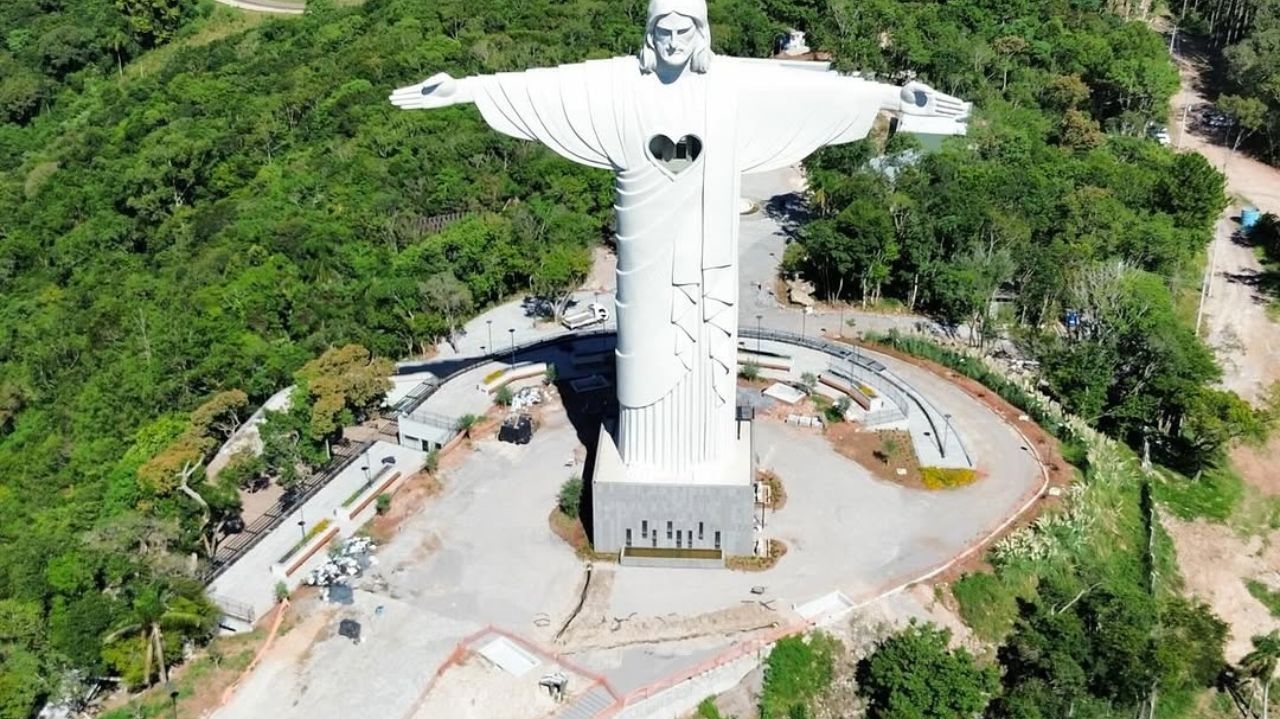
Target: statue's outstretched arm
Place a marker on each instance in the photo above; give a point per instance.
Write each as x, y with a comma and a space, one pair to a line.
439, 90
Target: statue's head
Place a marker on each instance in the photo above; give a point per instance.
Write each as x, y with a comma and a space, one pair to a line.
677, 35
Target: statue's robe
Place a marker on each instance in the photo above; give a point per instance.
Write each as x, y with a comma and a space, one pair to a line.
677, 231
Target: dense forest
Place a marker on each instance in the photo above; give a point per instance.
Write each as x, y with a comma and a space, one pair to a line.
1055, 202
179, 243
55, 45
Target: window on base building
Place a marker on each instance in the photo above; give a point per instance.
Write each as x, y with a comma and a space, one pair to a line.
628, 536
654, 536
699, 531
679, 536
644, 529
717, 540
668, 530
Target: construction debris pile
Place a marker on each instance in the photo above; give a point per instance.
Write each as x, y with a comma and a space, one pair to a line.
347, 560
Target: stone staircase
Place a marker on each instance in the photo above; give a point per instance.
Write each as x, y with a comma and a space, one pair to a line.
589, 705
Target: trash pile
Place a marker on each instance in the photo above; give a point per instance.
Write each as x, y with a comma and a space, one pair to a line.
348, 560
525, 398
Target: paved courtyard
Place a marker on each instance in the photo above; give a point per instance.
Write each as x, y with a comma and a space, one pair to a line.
482, 554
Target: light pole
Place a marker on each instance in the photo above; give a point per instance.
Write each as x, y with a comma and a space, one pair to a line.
841, 321
1182, 126
302, 525
512, 331
489, 323
367, 479
758, 319
804, 322
946, 434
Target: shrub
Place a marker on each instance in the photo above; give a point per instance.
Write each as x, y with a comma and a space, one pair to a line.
466, 423
549, 376
799, 670
749, 371
382, 503
432, 461
504, 396
835, 412
282, 591
489, 378
707, 709
569, 501
947, 477
986, 605
809, 381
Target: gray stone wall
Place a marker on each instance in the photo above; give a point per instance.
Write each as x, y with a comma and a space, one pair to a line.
647, 509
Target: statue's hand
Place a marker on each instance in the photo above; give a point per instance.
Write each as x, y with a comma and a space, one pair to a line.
921, 100
439, 90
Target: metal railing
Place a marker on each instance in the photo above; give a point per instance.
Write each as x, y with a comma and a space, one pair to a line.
851, 371
239, 544
855, 356
434, 419
234, 609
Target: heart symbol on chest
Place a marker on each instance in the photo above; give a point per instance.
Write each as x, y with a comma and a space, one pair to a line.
675, 156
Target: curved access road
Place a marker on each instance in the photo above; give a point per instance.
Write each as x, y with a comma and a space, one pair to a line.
271, 6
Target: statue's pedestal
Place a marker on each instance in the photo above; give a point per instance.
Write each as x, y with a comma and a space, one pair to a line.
660, 519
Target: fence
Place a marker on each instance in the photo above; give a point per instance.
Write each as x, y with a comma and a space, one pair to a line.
241, 543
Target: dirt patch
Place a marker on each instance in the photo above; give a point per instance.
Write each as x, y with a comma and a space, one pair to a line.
408, 501
889, 456
1215, 563
476, 689
1256, 465
597, 627
570, 530
604, 266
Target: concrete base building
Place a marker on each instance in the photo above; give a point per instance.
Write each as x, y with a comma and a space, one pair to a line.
669, 520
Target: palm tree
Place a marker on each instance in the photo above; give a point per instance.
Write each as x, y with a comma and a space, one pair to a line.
156, 609
1260, 665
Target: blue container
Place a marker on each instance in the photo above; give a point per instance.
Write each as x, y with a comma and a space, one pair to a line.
1249, 217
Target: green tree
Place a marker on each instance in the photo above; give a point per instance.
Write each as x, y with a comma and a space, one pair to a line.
343, 385
157, 609
913, 675
444, 293
154, 21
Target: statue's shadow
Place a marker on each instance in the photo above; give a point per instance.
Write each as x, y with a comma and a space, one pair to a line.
590, 410
790, 211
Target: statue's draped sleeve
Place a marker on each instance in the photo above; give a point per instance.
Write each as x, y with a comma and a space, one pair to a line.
790, 111
570, 109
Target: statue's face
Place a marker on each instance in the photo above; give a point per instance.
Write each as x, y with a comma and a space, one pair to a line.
675, 37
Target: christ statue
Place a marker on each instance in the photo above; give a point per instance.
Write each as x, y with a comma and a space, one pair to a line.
679, 126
